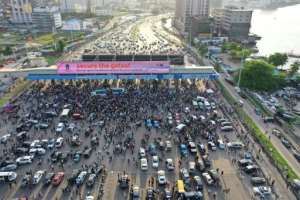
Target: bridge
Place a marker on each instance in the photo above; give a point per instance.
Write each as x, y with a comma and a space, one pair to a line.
122, 67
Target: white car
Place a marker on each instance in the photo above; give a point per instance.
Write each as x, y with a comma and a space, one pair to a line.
155, 162
24, 160
262, 191
60, 127
161, 176
235, 145
207, 178
212, 145
168, 145
4, 138
144, 164
35, 144
59, 142
142, 152
170, 164
37, 151
81, 177
89, 198
192, 147
38, 176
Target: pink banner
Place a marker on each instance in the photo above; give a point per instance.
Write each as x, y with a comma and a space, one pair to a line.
116, 67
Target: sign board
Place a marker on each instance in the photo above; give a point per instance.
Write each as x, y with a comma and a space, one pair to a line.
116, 67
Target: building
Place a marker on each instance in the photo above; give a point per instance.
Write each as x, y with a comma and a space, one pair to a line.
38, 3
46, 19
233, 22
21, 11
103, 11
186, 10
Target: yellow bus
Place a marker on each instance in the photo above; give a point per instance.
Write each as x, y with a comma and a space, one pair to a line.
180, 186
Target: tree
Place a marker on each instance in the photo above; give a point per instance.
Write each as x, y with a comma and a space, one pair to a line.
7, 51
202, 49
257, 75
294, 69
278, 59
60, 46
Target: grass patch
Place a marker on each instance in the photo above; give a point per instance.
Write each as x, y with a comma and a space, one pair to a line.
45, 39
278, 160
52, 59
19, 87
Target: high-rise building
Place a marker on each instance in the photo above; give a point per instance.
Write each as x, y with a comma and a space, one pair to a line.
188, 9
46, 19
233, 21
21, 11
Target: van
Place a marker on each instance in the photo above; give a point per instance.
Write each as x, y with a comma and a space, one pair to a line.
8, 176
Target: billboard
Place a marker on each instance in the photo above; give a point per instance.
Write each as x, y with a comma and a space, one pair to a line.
115, 67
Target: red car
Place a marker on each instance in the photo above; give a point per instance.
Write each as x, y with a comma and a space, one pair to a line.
58, 178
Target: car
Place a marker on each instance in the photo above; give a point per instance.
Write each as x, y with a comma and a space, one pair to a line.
296, 154
91, 180
167, 194
285, 142
4, 138
41, 126
36, 144
208, 179
250, 169
37, 151
124, 181
59, 142
152, 149
81, 177
183, 150
9, 168
37, 177
71, 127
201, 148
51, 143
144, 164
87, 152
262, 191
48, 178
257, 180
193, 195
135, 193
235, 145
192, 167
214, 174
170, 164
168, 145
185, 175
155, 162
206, 160
76, 157
161, 177
24, 160
26, 180
89, 197
142, 152
198, 183
150, 193
58, 178
60, 127
211, 145
244, 162
192, 147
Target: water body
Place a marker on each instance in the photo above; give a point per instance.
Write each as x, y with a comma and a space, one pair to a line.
279, 29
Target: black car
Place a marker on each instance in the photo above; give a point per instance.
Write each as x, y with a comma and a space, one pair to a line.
48, 178
206, 160
87, 152
21, 151
150, 194
91, 180
286, 143
6, 162
73, 176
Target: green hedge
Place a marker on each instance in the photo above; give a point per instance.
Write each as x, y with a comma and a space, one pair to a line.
262, 138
